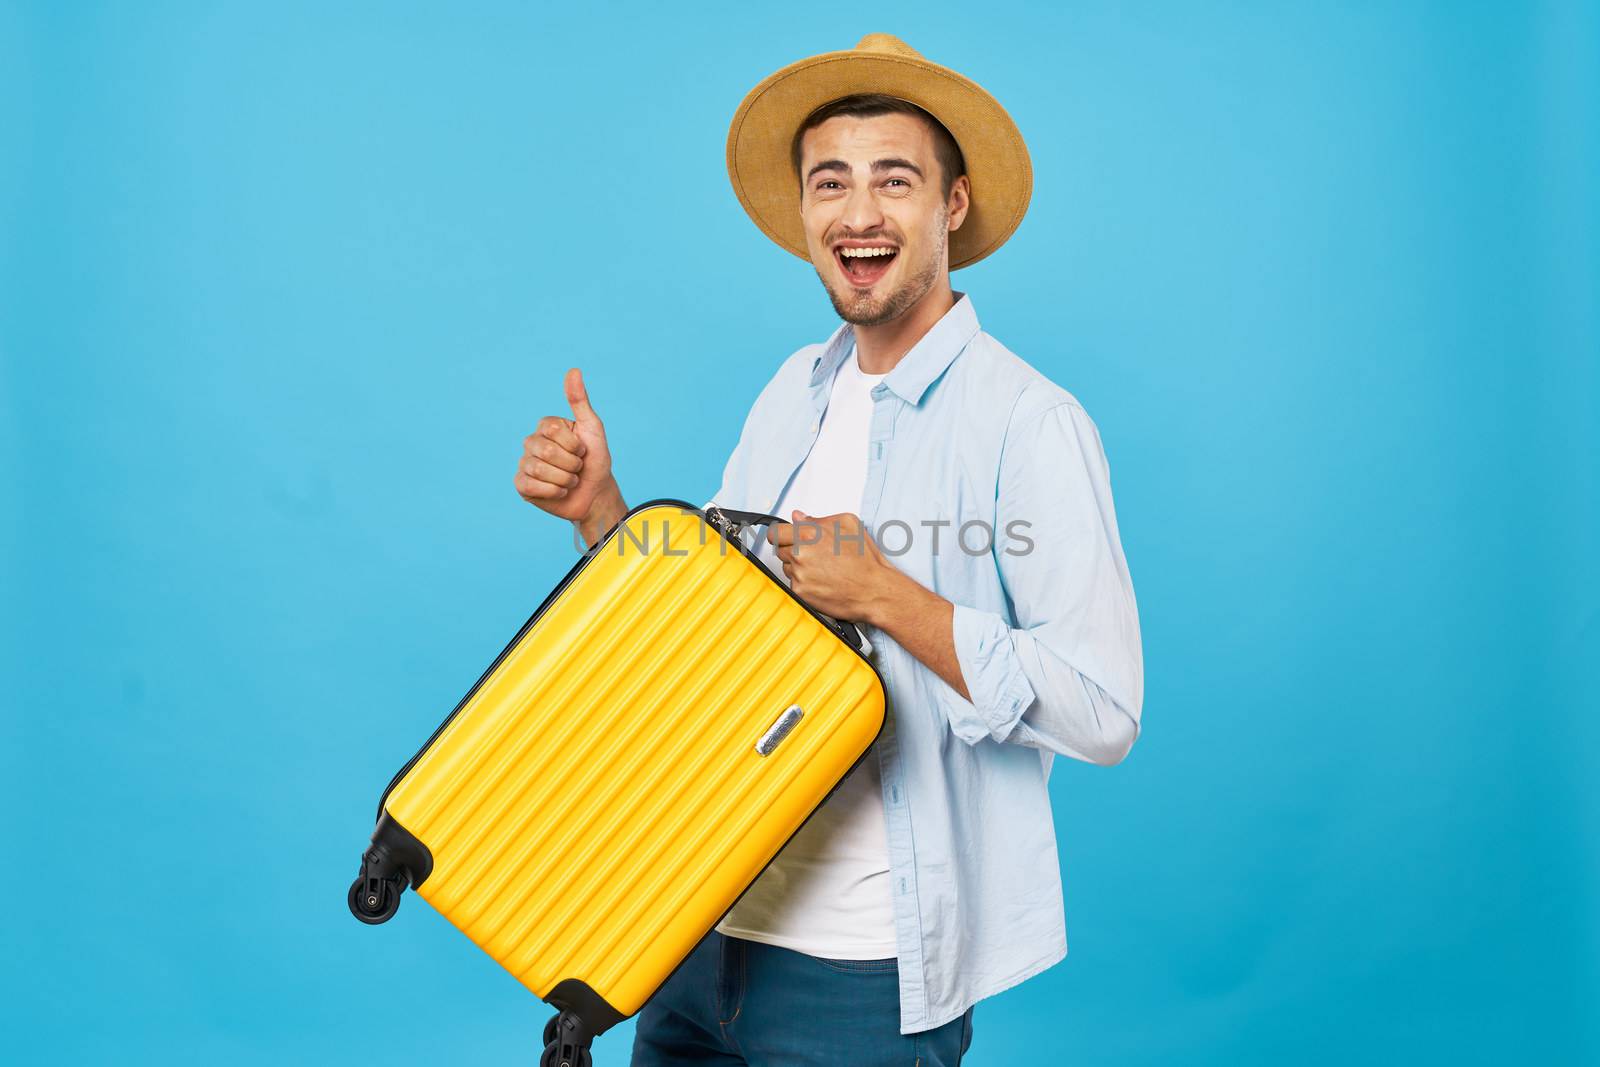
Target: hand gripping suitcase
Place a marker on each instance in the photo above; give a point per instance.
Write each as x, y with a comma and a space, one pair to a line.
656, 732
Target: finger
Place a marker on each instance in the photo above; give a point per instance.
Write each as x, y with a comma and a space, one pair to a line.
788, 572
578, 398
548, 450
539, 470
533, 489
805, 531
780, 533
561, 432
785, 553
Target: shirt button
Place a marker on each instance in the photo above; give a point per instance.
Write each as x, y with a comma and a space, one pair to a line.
816, 424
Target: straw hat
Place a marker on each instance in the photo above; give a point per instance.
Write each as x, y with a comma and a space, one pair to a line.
764, 126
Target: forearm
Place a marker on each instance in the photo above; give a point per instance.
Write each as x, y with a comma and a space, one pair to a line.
919, 621
1027, 690
608, 510
1026, 693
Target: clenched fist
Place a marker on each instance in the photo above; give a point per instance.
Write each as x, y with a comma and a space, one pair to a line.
834, 564
566, 465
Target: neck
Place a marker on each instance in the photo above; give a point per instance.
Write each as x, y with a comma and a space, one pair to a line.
880, 347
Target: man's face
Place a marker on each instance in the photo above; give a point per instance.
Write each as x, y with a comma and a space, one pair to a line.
876, 219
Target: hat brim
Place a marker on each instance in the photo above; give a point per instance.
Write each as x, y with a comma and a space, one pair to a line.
759, 139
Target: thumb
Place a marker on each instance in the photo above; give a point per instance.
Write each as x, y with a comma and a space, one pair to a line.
578, 397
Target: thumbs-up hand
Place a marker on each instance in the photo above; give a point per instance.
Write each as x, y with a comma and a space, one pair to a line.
566, 465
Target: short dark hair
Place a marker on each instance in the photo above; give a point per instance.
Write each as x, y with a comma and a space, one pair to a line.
871, 105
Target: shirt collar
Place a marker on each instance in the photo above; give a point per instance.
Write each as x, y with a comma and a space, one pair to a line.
919, 367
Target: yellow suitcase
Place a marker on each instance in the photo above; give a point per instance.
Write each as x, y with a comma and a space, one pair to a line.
657, 731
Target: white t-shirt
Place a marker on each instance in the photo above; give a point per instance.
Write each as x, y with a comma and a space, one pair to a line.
827, 893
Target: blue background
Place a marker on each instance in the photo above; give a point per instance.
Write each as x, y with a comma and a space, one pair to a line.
282, 287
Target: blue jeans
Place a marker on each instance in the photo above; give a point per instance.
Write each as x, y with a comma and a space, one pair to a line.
736, 1002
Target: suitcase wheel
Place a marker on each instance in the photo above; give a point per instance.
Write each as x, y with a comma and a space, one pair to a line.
395, 860
374, 900
549, 1059
566, 1042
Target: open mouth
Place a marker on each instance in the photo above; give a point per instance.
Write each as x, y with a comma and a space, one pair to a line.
864, 266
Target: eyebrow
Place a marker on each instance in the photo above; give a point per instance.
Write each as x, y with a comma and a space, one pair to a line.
878, 166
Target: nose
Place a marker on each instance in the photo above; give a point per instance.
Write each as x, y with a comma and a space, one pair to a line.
861, 211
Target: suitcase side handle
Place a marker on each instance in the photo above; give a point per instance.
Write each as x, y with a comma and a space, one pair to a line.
732, 523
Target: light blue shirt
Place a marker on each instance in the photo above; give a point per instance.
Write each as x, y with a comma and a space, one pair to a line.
1046, 630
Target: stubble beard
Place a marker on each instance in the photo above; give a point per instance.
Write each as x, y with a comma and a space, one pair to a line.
861, 310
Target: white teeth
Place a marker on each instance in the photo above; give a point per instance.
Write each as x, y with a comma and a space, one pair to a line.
862, 253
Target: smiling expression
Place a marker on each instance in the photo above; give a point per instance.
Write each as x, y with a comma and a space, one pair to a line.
876, 219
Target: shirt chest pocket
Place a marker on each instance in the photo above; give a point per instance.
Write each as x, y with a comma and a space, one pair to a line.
967, 546
941, 535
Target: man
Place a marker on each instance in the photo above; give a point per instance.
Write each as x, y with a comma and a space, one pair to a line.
990, 580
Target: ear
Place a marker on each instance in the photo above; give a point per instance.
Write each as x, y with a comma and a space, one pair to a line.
959, 202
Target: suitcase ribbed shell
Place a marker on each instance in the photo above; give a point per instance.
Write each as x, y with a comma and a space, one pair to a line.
598, 803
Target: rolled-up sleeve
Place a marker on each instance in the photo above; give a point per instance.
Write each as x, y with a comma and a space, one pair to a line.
1066, 672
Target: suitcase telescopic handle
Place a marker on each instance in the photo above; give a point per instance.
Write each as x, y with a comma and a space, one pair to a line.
732, 522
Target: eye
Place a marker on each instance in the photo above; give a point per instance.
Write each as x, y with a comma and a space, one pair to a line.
827, 182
